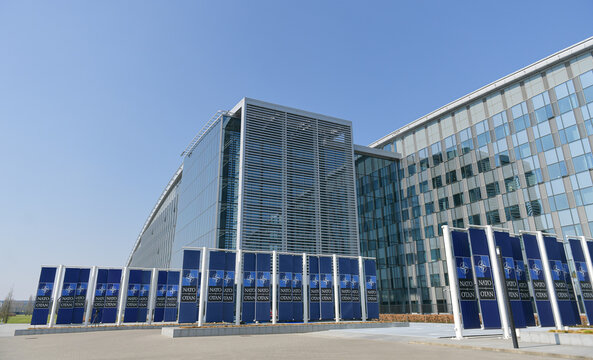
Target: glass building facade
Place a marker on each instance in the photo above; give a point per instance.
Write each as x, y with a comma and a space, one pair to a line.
514, 154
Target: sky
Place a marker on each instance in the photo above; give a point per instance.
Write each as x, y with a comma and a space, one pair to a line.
99, 99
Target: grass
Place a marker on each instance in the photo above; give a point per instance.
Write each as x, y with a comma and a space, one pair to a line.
19, 319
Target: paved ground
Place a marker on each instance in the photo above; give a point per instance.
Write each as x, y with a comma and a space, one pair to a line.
420, 341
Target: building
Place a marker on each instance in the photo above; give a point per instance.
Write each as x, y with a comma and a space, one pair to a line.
258, 177
515, 153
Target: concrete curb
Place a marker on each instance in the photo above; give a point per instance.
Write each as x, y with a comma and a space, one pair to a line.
82, 329
177, 332
557, 338
503, 350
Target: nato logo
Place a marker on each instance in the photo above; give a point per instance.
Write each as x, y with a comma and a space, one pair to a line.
249, 278
463, 268
81, 288
101, 289
69, 290
566, 272
557, 270
144, 289
297, 280
190, 278
285, 279
354, 281
582, 271
520, 270
133, 289
345, 281
482, 266
112, 289
162, 290
215, 278
535, 269
371, 282
172, 291
509, 268
326, 281
263, 279
229, 278
314, 279
44, 289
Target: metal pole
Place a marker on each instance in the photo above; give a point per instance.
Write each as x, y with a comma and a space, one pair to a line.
57, 293
123, 295
336, 288
203, 287
305, 296
499, 282
239, 282
274, 286
588, 262
152, 294
90, 295
550, 283
453, 282
507, 301
362, 288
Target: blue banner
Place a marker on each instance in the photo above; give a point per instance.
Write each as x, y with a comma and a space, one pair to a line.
355, 289
248, 296
99, 300
228, 291
190, 287
66, 301
538, 281
172, 296
263, 291
345, 274
370, 272
465, 280
567, 304
523, 285
297, 288
80, 296
161, 296
111, 296
43, 296
484, 279
216, 271
143, 295
314, 296
133, 291
583, 276
503, 240
285, 268
326, 288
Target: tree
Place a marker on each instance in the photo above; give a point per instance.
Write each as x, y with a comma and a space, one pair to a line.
6, 305
30, 305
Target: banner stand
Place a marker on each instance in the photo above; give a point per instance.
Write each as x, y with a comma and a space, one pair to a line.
274, 286
239, 284
203, 287
453, 290
336, 287
363, 293
152, 295
90, 297
496, 271
588, 260
305, 296
548, 276
123, 295
56, 295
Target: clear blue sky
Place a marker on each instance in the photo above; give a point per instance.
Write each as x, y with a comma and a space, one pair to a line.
98, 99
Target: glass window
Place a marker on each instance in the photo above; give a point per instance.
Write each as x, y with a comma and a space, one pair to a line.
429, 231
437, 182
429, 208
501, 131
458, 223
465, 136
492, 189
443, 203
542, 108
466, 171
457, 199
520, 117
484, 165
492, 217
533, 208
544, 143
533, 178
569, 134
424, 186
512, 183
411, 169
474, 219
437, 155
475, 194
583, 162
512, 212
557, 170
451, 177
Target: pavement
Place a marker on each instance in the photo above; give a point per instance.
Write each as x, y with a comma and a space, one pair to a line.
419, 341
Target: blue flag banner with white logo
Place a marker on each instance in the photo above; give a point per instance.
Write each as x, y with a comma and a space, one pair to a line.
465, 279
345, 274
326, 287
297, 288
248, 296
484, 279
583, 276
263, 291
538, 281
370, 272
562, 282
216, 271
314, 295
111, 296
355, 289
161, 296
80, 296
190, 286
172, 295
43, 296
66, 300
228, 290
503, 240
99, 299
133, 291
522, 284
143, 295
285, 267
